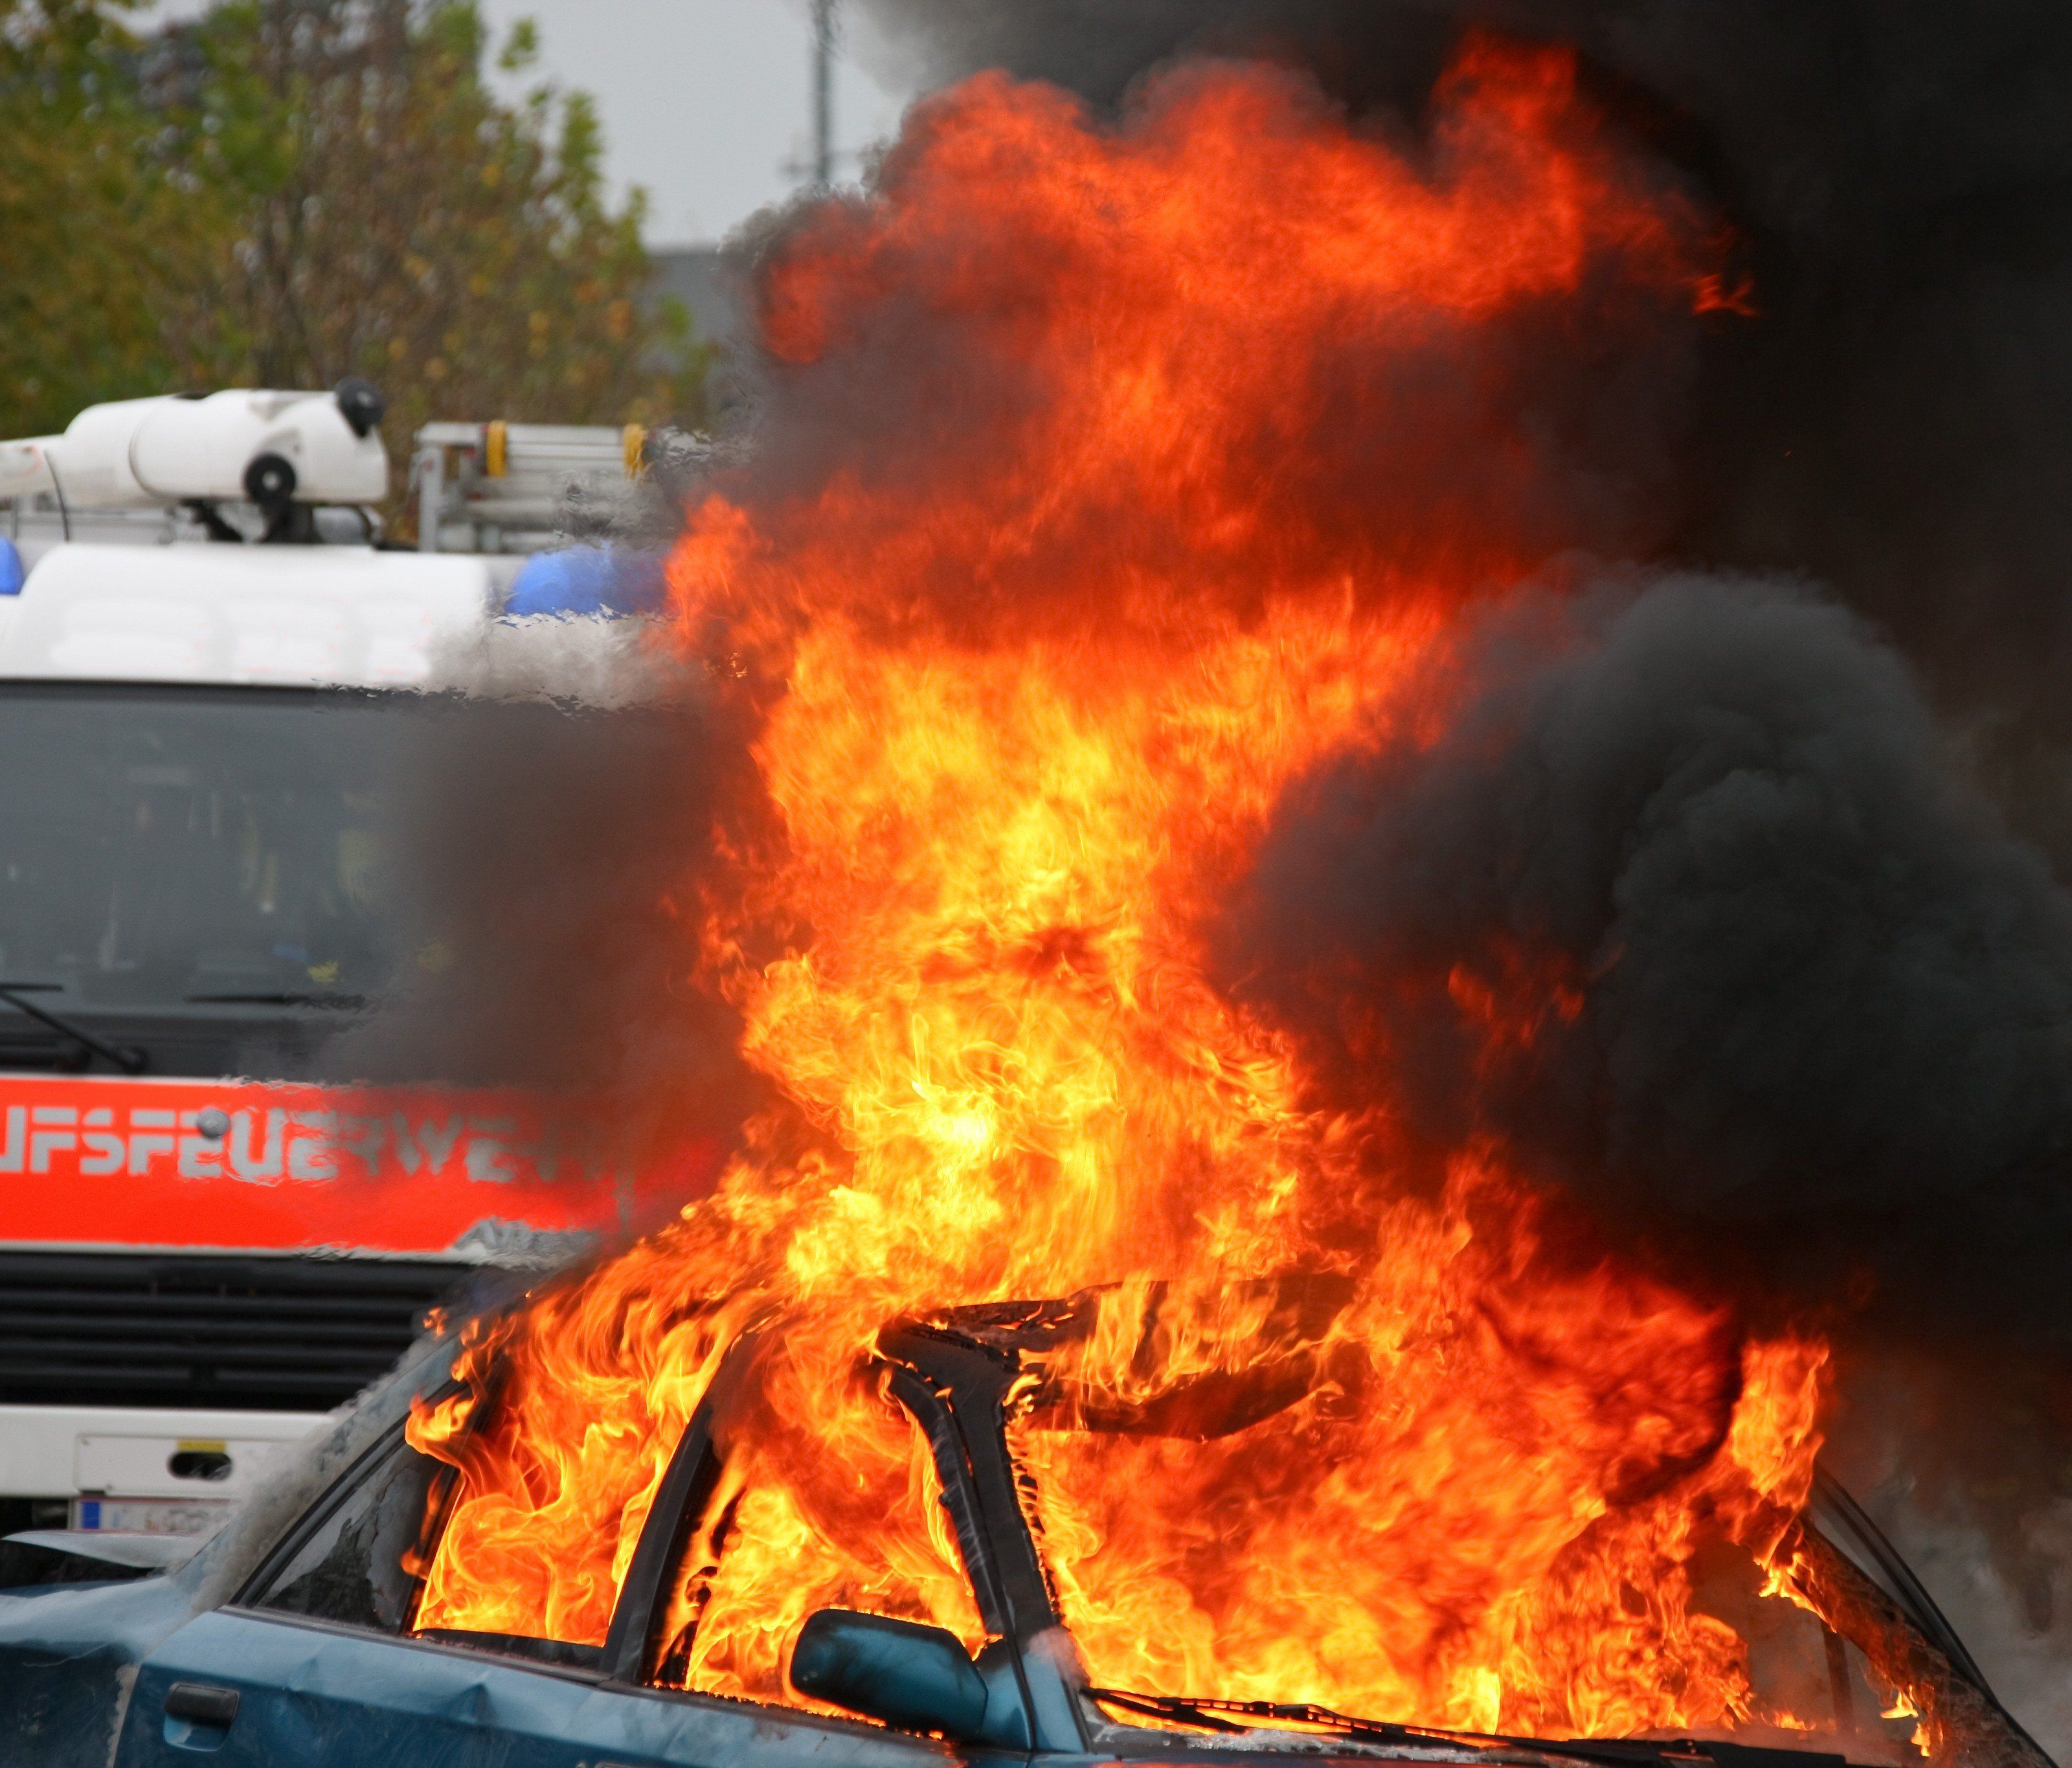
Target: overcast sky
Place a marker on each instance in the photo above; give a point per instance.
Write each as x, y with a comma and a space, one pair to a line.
704, 101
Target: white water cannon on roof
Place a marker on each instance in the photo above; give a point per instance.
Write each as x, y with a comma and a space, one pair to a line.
288, 453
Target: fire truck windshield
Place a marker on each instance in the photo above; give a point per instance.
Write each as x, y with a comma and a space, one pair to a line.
163, 846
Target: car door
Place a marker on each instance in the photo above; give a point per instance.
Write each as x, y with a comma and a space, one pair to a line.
652, 1702
314, 1662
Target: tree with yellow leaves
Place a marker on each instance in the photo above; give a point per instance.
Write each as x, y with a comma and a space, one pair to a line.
285, 192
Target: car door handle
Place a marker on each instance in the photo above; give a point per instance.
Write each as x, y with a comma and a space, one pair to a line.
201, 1704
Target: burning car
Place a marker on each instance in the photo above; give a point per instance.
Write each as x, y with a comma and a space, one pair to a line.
1029, 729
315, 1629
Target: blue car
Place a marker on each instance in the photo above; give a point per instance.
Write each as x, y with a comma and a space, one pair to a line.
291, 1637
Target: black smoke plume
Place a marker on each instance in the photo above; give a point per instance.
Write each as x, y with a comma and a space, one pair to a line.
1783, 1003
552, 828
1822, 1001
1898, 420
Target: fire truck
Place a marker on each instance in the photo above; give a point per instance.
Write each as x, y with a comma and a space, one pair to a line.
209, 657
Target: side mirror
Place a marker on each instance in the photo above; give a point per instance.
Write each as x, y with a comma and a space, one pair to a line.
916, 1677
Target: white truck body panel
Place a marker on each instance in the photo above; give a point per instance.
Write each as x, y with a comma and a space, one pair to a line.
126, 1452
341, 616
120, 585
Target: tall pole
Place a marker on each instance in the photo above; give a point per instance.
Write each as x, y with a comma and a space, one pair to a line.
823, 92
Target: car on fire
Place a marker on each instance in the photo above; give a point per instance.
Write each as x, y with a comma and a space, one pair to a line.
295, 1634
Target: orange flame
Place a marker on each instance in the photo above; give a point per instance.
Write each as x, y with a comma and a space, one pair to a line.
1031, 676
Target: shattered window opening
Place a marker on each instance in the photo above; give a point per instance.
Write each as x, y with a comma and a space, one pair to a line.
362, 1564
1085, 1489
794, 1524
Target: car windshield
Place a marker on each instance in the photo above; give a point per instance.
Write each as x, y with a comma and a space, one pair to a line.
162, 847
1198, 1573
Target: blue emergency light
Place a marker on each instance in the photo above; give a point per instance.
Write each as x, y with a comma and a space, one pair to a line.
588, 579
12, 575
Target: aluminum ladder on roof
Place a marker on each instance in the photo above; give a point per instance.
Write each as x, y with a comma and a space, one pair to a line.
502, 487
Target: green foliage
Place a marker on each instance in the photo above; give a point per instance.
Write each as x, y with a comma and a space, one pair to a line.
291, 190
91, 230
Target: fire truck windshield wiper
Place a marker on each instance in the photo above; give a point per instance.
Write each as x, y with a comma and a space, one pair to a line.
312, 998
130, 1061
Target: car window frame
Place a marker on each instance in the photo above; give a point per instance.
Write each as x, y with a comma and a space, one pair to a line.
695, 1466
682, 1505
970, 1387
955, 1392
246, 1601
696, 1476
640, 1609
311, 1521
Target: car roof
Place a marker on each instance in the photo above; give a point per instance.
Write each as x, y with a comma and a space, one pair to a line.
1293, 1307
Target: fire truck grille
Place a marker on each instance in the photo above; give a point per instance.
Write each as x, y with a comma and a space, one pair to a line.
272, 1334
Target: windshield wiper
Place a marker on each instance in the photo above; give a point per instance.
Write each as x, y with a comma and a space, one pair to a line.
1606, 1752
281, 999
1244, 1715
129, 1061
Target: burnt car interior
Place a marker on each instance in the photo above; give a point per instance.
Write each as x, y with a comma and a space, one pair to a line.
998, 1412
